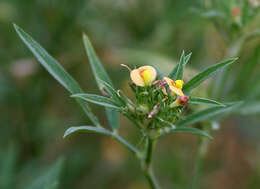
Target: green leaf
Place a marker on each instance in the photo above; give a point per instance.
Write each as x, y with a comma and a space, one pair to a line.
56, 70
100, 74
187, 58
191, 130
202, 76
50, 178
186, 130
177, 72
98, 69
92, 129
100, 100
180, 67
207, 113
204, 101
89, 129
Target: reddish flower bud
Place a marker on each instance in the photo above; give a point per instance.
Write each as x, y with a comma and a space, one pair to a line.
182, 100
236, 12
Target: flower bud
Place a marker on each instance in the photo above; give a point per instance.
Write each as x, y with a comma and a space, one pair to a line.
236, 12
236, 15
180, 101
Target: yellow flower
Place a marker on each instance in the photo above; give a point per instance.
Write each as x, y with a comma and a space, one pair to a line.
175, 86
143, 76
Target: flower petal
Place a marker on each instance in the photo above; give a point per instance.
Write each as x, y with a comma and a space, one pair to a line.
176, 90
168, 81
172, 86
136, 78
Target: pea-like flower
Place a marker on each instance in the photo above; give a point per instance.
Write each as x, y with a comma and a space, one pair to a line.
143, 76
175, 86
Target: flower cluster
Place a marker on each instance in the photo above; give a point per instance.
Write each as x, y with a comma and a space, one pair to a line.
158, 102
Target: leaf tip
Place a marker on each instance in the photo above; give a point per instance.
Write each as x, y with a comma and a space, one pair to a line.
16, 27
67, 132
85, 37
234, 59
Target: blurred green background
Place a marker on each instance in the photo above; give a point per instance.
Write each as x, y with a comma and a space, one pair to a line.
36, 110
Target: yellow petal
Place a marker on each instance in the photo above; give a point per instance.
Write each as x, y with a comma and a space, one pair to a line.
151, 70
172, 86
179, 83
136, 78
147, 77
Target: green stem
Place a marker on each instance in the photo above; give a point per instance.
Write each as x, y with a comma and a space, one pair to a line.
147, 164
146, 160
151, 179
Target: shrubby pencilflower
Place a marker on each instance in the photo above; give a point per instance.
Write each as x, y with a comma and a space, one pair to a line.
143, 76
175, 86
153, 111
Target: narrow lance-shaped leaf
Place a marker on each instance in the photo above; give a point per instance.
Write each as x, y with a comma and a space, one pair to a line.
100, 100
186, 130
180, 66
56, 70
97, 68
202, 76
100, 74
207, 113
204, 101
89, 129
92, 129
177, 71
